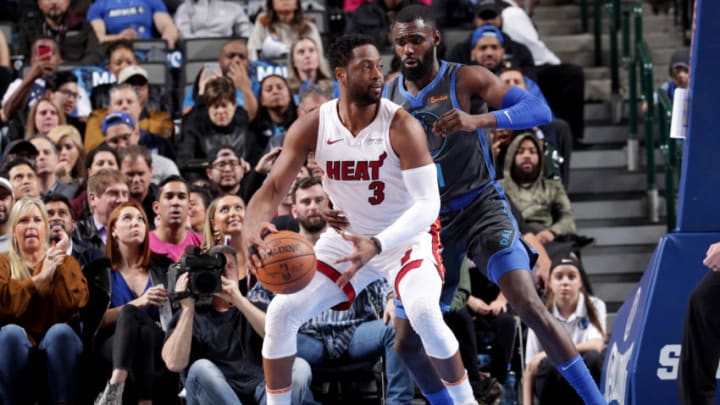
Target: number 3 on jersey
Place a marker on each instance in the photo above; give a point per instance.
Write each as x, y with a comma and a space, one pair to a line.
378, 189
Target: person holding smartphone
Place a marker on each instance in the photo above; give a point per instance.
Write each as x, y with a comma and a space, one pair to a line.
22, 93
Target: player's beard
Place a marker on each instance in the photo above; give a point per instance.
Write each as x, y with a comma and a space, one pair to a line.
362, 97
424, 66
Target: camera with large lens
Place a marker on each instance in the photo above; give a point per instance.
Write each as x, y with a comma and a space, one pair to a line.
204, 274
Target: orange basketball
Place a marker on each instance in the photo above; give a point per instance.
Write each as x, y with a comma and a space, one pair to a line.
290, 264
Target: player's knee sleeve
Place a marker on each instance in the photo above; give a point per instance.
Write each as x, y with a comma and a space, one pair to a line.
420, 294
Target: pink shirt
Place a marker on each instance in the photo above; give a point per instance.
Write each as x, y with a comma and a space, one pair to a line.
174, 252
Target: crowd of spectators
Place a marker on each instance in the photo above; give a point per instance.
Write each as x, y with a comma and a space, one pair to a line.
110, 177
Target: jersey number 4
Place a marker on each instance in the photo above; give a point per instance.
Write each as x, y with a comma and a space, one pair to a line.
378, 189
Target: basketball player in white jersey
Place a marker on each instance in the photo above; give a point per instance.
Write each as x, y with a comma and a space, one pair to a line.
379, 172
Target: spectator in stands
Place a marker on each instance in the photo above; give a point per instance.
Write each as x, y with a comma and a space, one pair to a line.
678, 69
555, 137
584, 318
129, 336
74, 35
563, 84
42, 289
120, 131
19, 149
43, 117
544, 204
136, 165
278, 27
219, 369
306, 68
45, 164
106, 189
62, 225
223, 226
22, 94
277, 110
234, 64
310, 100
124, 97
218, 122
154, 121
7, 200
23, 177
102, 157
231, 174
70, 167
62, 89
132, 20
212, 18
197, 208
353, 334
6, 71
515, 53
171, 236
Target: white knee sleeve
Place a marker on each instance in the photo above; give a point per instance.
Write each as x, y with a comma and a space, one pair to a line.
286, 313
420, 294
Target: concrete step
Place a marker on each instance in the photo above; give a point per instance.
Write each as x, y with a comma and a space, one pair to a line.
599, 262
624, 235
607, 159
613, 292
613, 209
603, 134
610, 181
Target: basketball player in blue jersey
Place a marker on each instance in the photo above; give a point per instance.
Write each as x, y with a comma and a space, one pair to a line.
475, 216
379, 172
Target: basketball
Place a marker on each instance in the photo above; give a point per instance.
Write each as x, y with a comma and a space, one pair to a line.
290, 264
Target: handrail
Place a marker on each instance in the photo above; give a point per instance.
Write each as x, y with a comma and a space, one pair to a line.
670, 155
584, 16
612, 7
647, 90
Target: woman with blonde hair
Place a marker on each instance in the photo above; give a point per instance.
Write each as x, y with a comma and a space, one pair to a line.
130, 336
223, 226
306, 68
41, 290
278, 27
43, 117
71, 154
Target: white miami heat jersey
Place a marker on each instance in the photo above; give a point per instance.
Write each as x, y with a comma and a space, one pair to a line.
362, 173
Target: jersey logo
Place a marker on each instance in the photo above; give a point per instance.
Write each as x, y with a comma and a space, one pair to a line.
438, 99
332, 141
435, 143
362, 170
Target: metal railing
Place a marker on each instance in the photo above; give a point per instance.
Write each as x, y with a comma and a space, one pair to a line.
671, 155
637, 60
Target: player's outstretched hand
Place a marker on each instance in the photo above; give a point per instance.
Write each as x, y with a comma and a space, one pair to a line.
363, 250
256, 246
455, 120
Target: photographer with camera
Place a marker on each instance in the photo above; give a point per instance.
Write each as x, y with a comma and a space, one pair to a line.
130, 336
217, 347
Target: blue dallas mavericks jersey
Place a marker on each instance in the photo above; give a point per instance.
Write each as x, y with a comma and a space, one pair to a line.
463, 158
121, 14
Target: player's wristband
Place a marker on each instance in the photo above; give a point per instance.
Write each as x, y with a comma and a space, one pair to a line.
377, 243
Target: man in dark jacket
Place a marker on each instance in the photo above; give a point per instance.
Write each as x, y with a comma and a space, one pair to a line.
75, 36
61, 220
517, 54
106, 190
